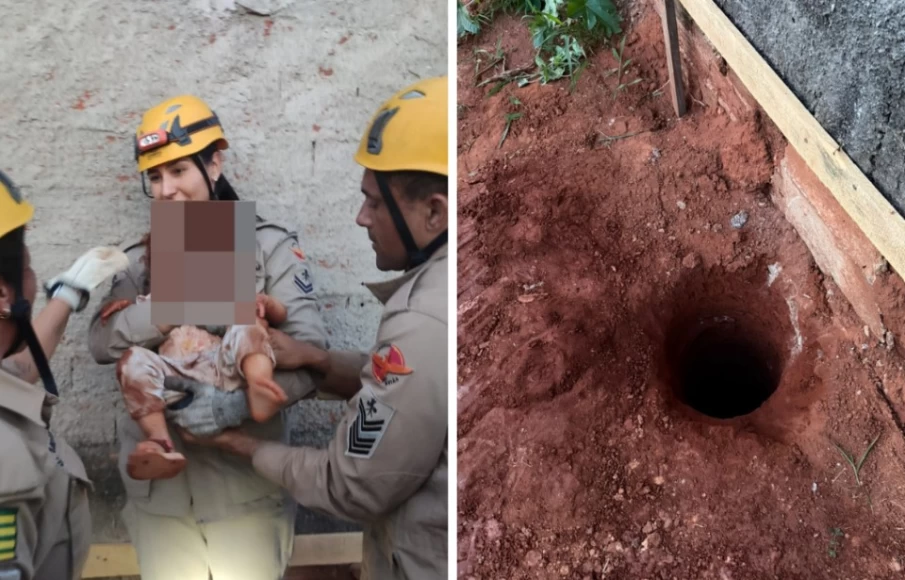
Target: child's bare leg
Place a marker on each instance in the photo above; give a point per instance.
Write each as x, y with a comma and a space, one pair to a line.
265, 397
246, 353
141, 373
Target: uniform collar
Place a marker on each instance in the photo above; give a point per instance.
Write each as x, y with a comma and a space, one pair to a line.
383, 291
23, 398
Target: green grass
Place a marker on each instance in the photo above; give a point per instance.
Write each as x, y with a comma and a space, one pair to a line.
562, 32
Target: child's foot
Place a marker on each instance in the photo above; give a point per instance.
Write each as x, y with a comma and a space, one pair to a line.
112, 308
155, 459
265, 399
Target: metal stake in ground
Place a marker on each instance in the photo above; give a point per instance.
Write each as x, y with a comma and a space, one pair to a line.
673, 62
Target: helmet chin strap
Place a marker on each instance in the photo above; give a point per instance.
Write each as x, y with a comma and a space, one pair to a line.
416, 256
207, 178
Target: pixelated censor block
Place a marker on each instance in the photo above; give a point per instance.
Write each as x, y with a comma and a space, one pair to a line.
202, 262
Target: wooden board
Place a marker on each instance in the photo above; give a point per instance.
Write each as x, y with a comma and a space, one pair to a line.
110, 560
673, 61
876, 217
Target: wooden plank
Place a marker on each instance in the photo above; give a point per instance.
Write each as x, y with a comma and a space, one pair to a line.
673, 60
110, 560
876, 217
327, 549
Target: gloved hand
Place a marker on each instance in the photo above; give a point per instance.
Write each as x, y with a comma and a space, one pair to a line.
87, 273
207, 410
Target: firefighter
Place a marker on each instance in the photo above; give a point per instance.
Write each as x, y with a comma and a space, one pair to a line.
217, 517
45, 525
386, 466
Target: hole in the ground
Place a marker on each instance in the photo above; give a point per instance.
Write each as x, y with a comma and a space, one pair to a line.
726, 342
724, 372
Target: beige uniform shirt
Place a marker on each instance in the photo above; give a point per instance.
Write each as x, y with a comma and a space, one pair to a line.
214, 485
387, 465
45, 526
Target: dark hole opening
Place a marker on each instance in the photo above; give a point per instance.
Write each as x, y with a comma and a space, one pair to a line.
724, 374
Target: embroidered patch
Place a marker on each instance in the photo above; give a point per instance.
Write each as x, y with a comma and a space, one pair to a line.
298, 253
391, 364
303, 282
369, 426
8, 533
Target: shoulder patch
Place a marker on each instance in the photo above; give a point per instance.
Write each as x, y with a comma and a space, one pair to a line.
387, 367
9, 526
304, 282
369, 425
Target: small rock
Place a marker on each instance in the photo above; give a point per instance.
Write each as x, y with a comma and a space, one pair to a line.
533, 558
659, 480
717, 228
587, 567
681, 204
691, 261
653, 540
895, 566
814, 487
649, 527
564, 571
890, 340
739, 220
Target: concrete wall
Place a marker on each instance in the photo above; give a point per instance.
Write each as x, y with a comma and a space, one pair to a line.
294, 84
846, 62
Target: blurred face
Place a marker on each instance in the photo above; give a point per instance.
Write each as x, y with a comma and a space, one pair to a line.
180, 180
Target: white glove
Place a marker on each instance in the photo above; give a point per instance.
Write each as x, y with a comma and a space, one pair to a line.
87, 273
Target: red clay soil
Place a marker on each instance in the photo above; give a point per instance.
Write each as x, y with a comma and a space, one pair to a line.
600, 280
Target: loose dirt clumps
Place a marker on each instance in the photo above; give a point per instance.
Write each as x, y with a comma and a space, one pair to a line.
651, 381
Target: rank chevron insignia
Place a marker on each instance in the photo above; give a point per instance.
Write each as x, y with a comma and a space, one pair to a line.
303, 282
369, 426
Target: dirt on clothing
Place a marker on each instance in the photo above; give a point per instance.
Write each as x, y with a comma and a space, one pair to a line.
618, 265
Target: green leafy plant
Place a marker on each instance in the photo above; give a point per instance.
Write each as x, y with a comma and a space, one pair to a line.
833, 549
594, 12
620, 70
562, 33
856, 467
468, 23
510, 119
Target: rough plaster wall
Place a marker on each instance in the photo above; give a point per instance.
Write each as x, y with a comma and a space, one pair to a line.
846, 62
294, 86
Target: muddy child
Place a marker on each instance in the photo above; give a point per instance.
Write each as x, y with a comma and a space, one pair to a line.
243, 357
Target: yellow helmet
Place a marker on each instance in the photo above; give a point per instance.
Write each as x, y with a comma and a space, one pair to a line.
409, 132
14, 211
176, 128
